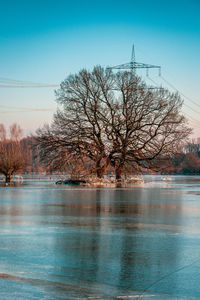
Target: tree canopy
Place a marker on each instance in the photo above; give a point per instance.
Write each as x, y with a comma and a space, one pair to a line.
113, 119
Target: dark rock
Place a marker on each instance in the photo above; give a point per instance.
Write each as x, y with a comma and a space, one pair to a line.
71, 181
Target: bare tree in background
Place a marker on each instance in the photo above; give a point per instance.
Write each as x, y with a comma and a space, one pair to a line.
57, 154
12, 154
114, 119
2, 133
15, 132
192, 146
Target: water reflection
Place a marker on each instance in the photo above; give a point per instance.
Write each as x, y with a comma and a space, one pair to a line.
101, 242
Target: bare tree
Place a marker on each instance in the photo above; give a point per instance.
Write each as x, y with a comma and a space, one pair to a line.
192, 146
114, 119
2, 132
15, 132
12, 154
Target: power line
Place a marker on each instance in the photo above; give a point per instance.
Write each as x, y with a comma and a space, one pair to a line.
25, 111
15, 109
9, 80
191, 118
14, 83
193, 121
176, 91
29, 86
179, 91
152, 80
172, 86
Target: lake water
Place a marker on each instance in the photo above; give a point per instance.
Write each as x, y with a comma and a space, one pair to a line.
59, 242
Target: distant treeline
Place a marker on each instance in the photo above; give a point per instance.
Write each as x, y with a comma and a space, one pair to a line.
187, 162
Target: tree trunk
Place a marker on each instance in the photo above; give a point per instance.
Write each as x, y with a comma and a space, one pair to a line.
99, 169
100, 173
118, 173
9, 178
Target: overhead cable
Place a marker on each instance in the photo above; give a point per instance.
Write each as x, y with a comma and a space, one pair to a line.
29, 86
176, 91
14, 83
172, 86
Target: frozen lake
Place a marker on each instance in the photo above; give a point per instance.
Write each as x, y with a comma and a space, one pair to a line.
59, 242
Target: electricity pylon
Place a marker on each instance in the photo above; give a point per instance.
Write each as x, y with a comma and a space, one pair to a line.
133, 65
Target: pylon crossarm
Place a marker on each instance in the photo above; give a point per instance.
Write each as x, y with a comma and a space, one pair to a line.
137, 65
133, 65
123, 66
141, 66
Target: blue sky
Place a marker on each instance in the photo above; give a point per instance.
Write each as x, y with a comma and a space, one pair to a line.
44, 41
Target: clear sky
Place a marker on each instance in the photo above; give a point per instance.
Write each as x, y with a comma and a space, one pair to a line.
44, 41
